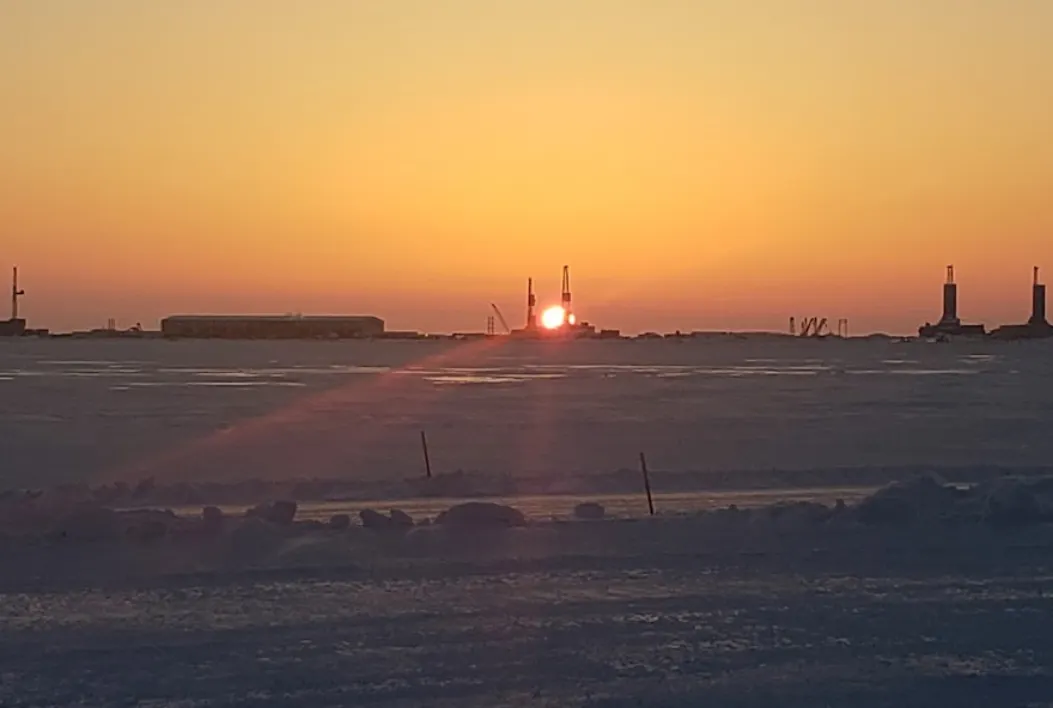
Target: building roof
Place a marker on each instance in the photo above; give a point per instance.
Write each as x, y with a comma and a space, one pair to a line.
272, 318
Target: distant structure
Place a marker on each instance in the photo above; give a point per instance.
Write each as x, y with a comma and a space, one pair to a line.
15, 326
564, 296
568, 327
271, 327
949, 324
531, 315
1038, 303
500, 318
1037, 326
813, 327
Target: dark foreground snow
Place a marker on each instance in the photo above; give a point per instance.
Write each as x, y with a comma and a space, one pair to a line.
792, 607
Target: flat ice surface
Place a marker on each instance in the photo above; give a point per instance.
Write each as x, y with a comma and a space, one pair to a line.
92, 411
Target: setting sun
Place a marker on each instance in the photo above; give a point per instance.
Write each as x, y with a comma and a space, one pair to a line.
553, 317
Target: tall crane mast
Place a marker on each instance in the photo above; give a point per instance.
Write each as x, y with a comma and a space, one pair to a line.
531, 318
564, 299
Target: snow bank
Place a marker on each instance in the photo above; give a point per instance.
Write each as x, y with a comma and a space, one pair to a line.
486, 483
481, 515
108, 543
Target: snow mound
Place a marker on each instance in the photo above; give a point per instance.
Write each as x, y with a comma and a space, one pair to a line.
923, 497
400, 518
479, 515
1014, 502
589, 510
278, 512
340, 522
372, 519
1007, 502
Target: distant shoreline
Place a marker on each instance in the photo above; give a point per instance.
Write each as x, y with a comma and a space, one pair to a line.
109, 335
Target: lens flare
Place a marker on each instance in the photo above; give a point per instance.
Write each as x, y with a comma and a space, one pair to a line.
553, 317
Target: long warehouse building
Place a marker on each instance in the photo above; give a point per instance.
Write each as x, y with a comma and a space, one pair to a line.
271, 326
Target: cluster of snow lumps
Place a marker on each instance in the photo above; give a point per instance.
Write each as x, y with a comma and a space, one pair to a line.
282, 512
97, 523
925, 497
1017, 502
928, 498
480, 515
396, 519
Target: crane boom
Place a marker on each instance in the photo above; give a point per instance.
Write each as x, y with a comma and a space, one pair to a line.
501, 318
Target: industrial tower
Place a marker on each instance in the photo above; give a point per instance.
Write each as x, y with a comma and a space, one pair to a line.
949, 324
16, 293
1038, 303
564, 298
950, 301
531, 317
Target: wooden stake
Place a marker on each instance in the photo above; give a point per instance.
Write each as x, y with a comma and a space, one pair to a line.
427, 460
646, 483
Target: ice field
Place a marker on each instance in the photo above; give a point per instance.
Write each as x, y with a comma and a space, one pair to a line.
921, 594
91, 411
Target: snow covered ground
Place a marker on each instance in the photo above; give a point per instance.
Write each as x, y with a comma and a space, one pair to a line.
948, 606
722, 609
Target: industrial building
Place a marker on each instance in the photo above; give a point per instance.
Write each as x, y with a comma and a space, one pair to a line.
949, 324
271, 327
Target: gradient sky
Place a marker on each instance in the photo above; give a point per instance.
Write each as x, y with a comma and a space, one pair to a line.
699, 163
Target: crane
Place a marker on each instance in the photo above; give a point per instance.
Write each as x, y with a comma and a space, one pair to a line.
564, 298
501, 318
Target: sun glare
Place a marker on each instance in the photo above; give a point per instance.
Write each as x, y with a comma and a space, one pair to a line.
552, 318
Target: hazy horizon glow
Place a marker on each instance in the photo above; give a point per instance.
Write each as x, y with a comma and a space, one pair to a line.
700, 164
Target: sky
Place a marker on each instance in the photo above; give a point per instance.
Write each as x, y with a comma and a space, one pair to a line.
700, 164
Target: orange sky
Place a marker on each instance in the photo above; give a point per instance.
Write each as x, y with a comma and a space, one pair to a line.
698, 163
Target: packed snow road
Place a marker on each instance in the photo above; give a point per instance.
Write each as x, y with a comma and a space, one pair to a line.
605, 614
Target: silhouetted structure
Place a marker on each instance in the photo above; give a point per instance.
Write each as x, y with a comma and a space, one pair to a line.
950, 301
949, 323
564, 296
1038, 303
271, 327
531, 316
15, 326
570, 328
1037, 326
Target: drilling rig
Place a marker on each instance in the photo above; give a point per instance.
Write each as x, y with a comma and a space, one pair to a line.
564, 297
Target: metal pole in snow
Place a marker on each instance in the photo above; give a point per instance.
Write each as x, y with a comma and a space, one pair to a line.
646, 483
427, 460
